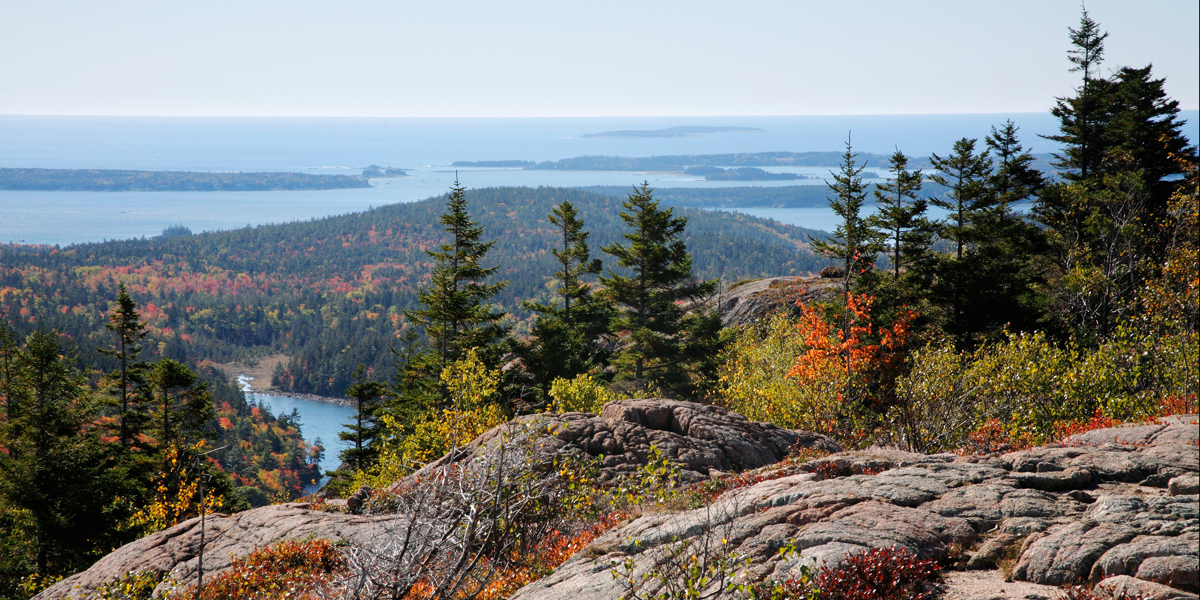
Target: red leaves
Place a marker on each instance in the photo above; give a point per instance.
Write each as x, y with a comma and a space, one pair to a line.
879, 574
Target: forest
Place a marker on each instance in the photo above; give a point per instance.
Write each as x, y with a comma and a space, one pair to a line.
107, 180
978, 332
330, 293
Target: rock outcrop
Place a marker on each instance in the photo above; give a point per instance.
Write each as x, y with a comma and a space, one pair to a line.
1099, 508
750, 302
1116, 507
702, 440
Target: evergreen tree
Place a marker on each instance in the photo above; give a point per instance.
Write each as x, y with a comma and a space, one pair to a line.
183, 408
855, 241
565, 335
54, 470
967, 175
660, 278
901, 214
456, 316
125, 322
1015, 180
365, 430
1081, 117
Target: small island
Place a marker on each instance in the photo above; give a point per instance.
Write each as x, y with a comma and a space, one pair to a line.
672, 132
377, 172
741, 174
108, 180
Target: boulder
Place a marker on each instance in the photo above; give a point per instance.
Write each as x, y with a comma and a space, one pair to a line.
702, 440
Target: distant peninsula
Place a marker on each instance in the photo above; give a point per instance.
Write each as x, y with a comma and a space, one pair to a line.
672, 132
105, 180
741, 174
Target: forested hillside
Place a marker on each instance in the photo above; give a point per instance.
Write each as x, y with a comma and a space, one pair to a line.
330, 292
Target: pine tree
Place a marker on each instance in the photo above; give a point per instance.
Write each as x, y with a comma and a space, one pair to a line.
365, 430
855, 242
564, 335
125, 322
901, 214
660, 277
968, 176
456, 316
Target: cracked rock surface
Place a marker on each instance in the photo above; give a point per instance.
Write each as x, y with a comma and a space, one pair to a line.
1099, 508
1117, 507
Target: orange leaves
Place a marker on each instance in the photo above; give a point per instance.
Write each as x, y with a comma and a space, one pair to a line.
857, 347
286, 569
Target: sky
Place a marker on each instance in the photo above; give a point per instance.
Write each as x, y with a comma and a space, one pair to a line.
449, 58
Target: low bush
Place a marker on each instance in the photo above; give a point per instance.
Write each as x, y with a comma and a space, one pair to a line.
303, 570
879, 574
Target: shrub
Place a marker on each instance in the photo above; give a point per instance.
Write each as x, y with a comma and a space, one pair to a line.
304, 570
581, 394
879, 574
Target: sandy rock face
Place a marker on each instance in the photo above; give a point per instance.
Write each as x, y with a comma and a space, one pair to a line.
1095, 509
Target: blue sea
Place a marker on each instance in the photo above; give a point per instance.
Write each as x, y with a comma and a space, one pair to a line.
425, 147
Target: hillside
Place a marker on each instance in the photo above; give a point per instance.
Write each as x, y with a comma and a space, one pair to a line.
330, 292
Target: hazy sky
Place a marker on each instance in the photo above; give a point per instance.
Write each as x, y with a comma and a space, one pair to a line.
567, 58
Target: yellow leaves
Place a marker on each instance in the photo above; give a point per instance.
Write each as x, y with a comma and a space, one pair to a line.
581, 394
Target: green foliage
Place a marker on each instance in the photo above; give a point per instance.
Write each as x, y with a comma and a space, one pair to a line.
901, 215
365, 431
855, 242
755, 382
660, 279
565, 333
580, 394
61, 491
456, 314
966, 175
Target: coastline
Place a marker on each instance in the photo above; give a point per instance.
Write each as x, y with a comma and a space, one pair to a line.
301, 395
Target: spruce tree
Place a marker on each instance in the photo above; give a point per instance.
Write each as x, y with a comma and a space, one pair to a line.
901, 214
1015, 180
183, 408
457, 316
126, 323
968, 176
659, 279
365, 430
855, 241
565, 333
54, 468
1081, 117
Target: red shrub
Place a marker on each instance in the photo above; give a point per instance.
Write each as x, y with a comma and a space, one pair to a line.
287, 569
879, 574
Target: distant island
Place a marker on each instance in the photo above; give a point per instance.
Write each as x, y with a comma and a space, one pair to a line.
376, 171
105, 180
674, 163
683, 162
740, 174
672, 132
495, 164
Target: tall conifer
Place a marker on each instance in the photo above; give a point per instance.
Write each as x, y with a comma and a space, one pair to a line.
901, 213
660, 278
126, 323
457, 316
967, 175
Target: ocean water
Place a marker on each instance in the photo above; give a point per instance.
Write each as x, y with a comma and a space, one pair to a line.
423, 146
